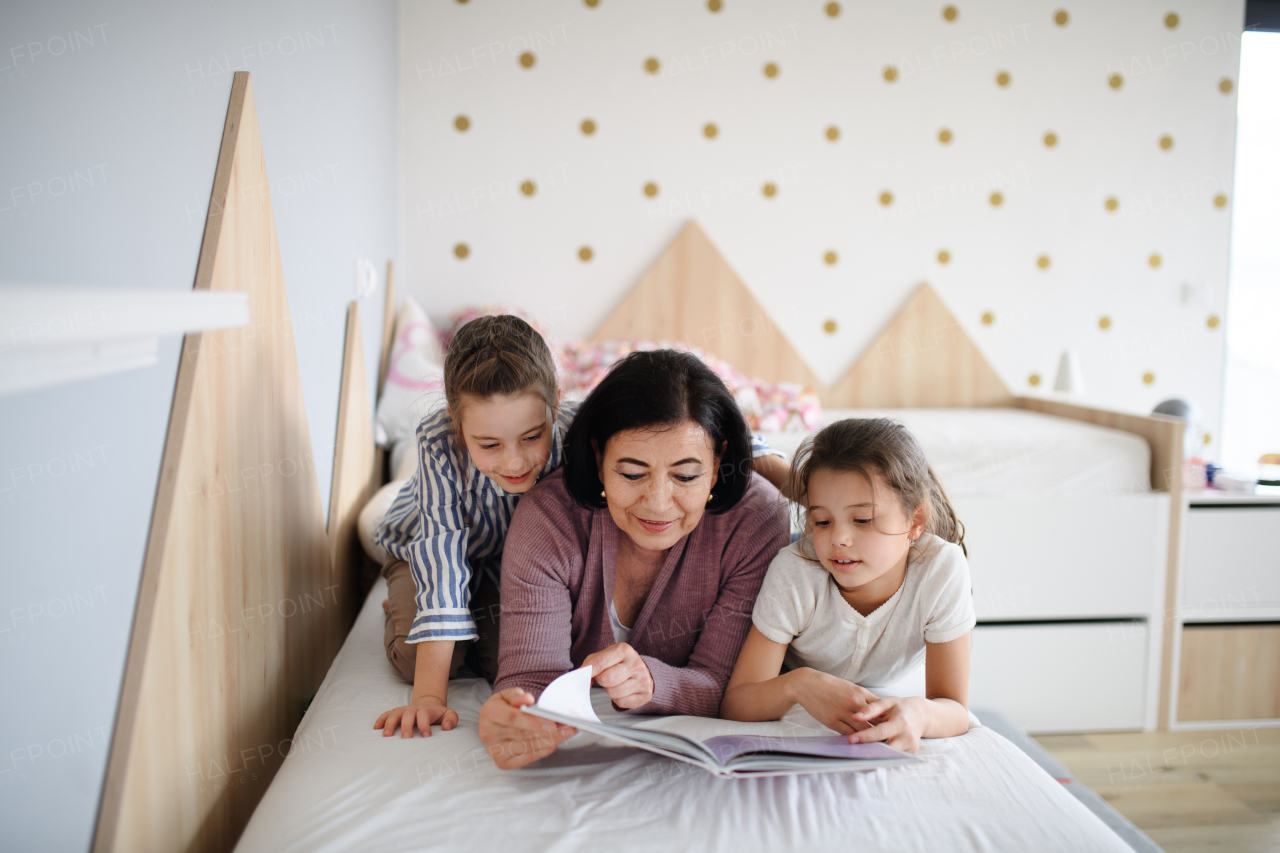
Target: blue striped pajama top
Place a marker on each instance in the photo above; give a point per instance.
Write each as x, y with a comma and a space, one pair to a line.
446, 523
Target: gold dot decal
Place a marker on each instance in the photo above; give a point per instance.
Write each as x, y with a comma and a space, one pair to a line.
462, 123
528, 188
1061, 18
1104, 322
833, 9
591, 4
769, 190
585, 254
588, 126
830, 258
890, 73
652, 65
944, 136
996, 198
651, 189
1213, 322
1115, 81
715, 5
1225, 85
833, 133
461, 250
886, 198
1219, 201
988, 318
1050, 139
1043, 262
1171, 20
830, 327
1166, 142
1208, 439
944, 257
527, 59
1112, 203
1155, 261
1003, 79
1148, 378
709, 130
950, 13
1033, 380
771, 70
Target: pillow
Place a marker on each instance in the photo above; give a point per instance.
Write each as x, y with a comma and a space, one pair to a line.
766, 406
415, 376
370, 519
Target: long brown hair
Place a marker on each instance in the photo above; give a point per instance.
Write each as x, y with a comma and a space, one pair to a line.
499, 355
885, 447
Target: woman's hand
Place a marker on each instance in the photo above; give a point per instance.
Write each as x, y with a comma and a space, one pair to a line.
424, 712
623, 674
832, 701
899, 722
515, 738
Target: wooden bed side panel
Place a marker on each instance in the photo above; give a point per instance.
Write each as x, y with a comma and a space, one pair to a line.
238, 615
922, 359
388, 326
355, 462
691, 294
1164, 434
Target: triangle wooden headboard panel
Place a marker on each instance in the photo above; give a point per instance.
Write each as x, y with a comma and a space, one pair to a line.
923, 358
239, 609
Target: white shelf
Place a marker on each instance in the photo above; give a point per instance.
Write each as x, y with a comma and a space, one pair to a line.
52, 335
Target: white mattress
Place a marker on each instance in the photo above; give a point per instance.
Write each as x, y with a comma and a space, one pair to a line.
346, 788
1013, 452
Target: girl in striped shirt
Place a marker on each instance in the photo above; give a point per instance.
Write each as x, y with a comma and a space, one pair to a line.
502, 430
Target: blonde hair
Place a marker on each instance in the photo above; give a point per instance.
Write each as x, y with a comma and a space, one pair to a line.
498, 355
881, 446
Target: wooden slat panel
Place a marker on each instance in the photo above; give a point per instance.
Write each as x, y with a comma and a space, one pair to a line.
238, 617
355, 468
1229, 673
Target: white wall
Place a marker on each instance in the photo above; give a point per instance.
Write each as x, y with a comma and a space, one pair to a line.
461, 59
138, 107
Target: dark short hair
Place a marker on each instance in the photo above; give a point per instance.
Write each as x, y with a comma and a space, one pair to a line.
656, 389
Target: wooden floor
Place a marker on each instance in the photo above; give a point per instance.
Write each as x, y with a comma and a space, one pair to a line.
1189, 791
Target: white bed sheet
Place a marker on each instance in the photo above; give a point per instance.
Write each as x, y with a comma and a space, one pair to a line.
346, 788
1013, 452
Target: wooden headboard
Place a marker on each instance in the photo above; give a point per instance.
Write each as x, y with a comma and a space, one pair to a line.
241, 606
922, 359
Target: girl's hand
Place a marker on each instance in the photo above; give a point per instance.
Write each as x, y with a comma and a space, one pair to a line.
515, 738
832, 701
896, 721
623, 674
424, 712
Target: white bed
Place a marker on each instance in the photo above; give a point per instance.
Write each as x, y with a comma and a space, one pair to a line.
346, 788
997, 452
1067, 550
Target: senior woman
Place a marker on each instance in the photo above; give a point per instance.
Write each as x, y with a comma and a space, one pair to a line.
641, 558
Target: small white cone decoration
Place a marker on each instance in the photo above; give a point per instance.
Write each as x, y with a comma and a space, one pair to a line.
1069, 379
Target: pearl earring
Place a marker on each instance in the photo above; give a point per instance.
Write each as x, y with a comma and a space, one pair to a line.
710, 498
602, 493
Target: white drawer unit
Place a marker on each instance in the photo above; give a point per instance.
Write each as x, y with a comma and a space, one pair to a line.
1025, 565
1232, 561
1062, 677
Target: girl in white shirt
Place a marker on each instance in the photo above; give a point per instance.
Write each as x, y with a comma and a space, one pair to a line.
878, 582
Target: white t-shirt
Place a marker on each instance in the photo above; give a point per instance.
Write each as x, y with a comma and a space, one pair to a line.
800, 605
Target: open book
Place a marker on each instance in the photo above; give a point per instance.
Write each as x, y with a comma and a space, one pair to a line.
567, 700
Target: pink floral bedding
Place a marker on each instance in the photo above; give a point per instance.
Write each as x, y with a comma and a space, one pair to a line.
767, 406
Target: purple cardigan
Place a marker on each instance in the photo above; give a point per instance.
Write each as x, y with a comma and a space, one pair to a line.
557, 581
